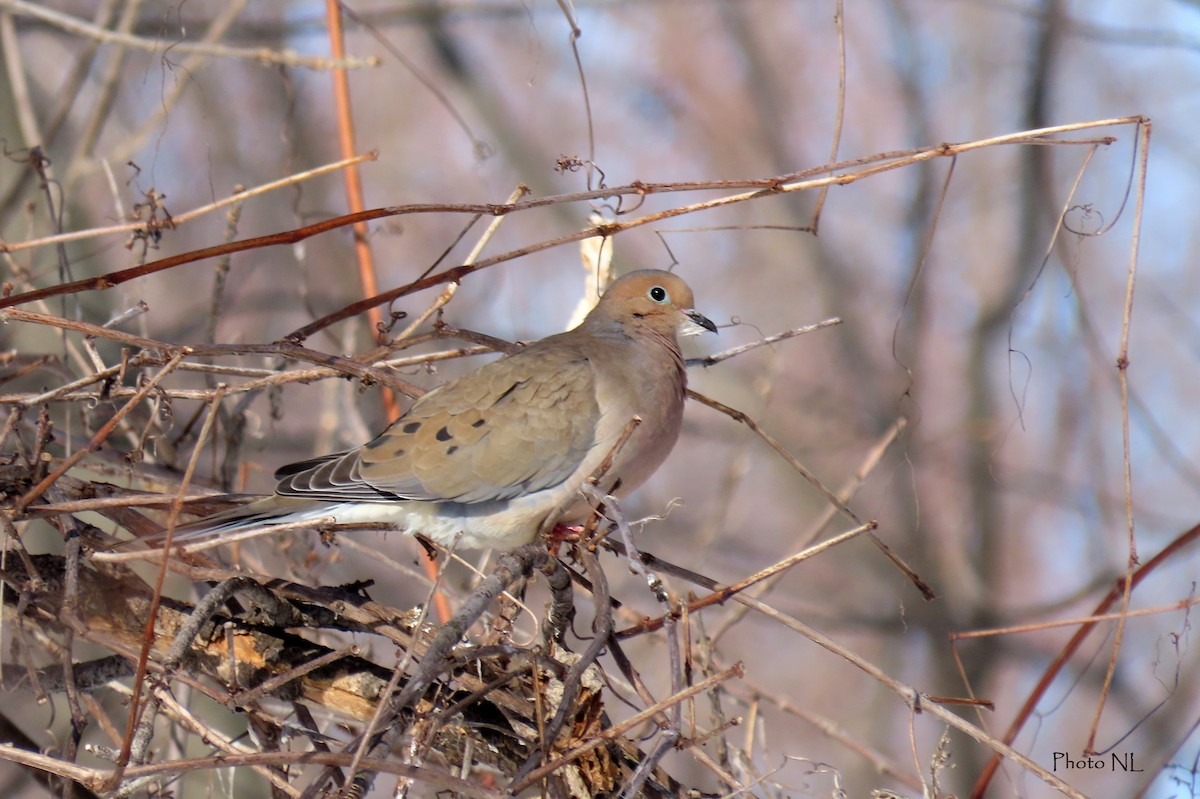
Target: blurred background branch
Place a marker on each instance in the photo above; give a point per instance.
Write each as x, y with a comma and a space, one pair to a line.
968, 402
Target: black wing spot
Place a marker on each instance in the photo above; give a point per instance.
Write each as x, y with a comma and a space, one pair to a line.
444, 434
479, 423
452, 450
411, 427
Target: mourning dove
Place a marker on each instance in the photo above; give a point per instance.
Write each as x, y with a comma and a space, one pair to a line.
491, 458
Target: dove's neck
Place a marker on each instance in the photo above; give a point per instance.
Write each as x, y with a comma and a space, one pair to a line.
665, 357
638, 333
668, 343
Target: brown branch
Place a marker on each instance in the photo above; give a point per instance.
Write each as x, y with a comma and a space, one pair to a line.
289, 349
97, 439
759, 188
735, 671
1114, 595
722, 594
833, 499
80, 27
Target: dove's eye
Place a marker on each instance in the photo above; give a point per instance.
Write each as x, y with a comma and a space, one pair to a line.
658, 294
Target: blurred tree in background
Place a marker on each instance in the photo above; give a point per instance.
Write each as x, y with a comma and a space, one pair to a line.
970, 400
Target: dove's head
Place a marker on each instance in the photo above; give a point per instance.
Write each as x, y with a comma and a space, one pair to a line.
650, 298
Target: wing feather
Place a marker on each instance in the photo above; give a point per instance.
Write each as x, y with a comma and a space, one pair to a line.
518, 425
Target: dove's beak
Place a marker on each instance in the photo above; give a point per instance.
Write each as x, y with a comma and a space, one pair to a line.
694, 323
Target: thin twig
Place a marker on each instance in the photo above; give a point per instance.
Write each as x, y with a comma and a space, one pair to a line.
839, 117
1122, 365
833, 499
98, 439
735, 671
178, 219
760, 188
715, 358
81, 27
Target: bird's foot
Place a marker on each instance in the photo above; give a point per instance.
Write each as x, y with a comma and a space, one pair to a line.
564, 534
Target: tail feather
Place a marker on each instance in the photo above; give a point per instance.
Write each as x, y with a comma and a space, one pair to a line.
269, 512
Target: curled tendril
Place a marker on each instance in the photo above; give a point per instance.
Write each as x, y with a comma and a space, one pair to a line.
1084, 216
